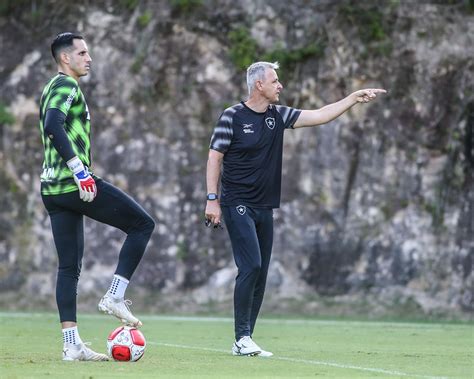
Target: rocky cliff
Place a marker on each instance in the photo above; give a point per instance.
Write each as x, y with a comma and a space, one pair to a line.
377, 214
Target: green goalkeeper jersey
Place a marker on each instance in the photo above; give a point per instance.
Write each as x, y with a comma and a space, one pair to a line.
63, 93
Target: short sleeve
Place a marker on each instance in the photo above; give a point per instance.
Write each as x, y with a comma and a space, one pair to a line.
63, 93
289, 115
223, 132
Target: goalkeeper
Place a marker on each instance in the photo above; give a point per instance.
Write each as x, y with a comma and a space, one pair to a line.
71, 191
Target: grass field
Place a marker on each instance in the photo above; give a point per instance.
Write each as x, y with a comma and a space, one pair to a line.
187, 347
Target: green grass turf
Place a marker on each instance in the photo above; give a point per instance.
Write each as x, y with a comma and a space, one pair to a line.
31, 344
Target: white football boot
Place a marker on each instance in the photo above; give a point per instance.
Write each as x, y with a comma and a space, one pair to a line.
245, 346
265, 354
119, 308
82, 353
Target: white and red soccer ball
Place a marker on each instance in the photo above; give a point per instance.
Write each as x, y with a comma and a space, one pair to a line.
126, 344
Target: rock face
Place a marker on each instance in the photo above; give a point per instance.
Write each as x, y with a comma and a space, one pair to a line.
377, 213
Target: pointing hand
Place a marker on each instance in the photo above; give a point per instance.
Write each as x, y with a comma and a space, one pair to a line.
366, 95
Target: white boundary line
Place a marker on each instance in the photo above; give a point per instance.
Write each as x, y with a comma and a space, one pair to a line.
307, 361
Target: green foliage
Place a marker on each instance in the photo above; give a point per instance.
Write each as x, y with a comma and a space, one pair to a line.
129, 4
436, 210
7, 6
384, 47
372, 25
287, 57
144, 19
369, 21
137, 63
30, 12
183, 251
468, 4
225, 105
243, 50
185, 6
6, 118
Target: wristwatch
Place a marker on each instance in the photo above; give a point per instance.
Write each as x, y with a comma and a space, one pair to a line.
212, 196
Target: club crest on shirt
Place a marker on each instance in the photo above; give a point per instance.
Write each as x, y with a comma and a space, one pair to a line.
270, 121
241, 209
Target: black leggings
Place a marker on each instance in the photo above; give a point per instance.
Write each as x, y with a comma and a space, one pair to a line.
112, 207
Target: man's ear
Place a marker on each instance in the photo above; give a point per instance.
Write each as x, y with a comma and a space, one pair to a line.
64, 57
259, 85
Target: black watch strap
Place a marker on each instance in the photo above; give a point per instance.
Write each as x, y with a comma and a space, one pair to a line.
212, 196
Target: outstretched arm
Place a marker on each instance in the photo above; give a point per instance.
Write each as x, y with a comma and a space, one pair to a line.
334, 110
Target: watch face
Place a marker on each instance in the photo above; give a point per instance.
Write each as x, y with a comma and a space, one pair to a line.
212, 196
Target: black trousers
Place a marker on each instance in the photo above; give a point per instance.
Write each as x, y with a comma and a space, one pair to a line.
251, 234
111, 206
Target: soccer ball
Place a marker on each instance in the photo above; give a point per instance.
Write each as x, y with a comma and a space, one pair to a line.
126, 343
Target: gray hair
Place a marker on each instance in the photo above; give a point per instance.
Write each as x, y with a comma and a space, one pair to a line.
256, 71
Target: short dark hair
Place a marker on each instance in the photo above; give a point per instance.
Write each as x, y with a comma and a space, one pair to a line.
63, 41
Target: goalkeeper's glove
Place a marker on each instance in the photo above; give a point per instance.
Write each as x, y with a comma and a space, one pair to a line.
84, 181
